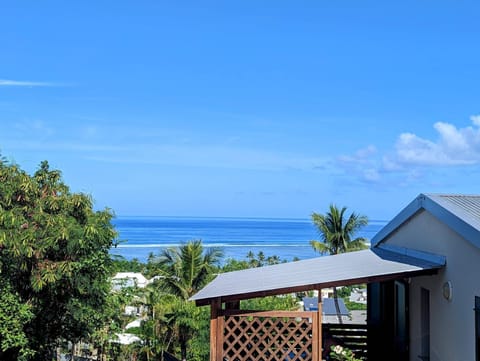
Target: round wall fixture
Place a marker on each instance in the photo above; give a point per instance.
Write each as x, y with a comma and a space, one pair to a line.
447, 290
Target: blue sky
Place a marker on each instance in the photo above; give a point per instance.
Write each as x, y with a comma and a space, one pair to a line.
244, 108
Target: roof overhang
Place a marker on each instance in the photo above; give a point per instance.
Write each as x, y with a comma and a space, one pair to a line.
459, 212
372, 265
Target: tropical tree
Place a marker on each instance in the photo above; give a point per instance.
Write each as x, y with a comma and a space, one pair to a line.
14, 315
184, 271
260, 260
54, 257
337, 230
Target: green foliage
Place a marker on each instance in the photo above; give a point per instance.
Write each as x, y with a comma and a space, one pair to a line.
173, 323
342, 354
113, 320
337, 231
285, 303
200, 344
54, 254
188, 268
120, 264
354, 306
233, 264
251, 261
261, 260
345, 291
14, 315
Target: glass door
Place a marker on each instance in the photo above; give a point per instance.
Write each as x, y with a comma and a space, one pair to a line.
400, 332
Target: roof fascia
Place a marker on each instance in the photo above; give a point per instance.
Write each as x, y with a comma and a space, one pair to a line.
426, 256
453, 221
425, 202
408, 212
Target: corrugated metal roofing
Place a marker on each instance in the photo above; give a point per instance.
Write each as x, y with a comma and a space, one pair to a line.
313, 273
466, 207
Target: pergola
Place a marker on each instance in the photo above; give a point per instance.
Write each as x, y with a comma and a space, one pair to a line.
239, 335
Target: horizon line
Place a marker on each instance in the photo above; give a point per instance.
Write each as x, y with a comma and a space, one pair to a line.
227, 217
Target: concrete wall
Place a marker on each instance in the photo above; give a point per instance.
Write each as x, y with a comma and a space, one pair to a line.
452, 323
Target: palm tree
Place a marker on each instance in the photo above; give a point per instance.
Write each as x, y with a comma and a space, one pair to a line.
337, 232
185, 271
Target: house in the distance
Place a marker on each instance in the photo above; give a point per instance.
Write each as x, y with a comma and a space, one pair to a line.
329, 310
358, 295
129, 279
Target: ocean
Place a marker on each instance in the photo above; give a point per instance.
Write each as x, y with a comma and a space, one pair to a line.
286, 238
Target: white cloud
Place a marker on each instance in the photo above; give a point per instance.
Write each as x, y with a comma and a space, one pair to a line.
476, 120
362, 164
216, 156
371, 175
20, 83
366, 152
453, 146
360, 156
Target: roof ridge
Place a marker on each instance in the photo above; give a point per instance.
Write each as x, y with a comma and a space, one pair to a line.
460, 195
461, 212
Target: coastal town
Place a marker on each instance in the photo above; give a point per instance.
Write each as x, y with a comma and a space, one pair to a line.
239, 180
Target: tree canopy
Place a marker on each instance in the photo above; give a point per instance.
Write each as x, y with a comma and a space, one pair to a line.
186, 269
54, 260
337, 231
183, 272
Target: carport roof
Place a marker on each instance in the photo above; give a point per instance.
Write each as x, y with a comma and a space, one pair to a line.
366, 266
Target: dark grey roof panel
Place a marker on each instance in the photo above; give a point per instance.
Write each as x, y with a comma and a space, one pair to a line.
313, 272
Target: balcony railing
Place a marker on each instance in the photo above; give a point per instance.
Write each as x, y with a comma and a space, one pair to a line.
351, 336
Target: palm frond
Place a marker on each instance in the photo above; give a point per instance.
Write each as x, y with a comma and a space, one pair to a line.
320, 247
336, 230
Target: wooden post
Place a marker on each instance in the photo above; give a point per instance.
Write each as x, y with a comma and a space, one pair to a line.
215, 307
315, 341
220, 331
232, 305
319, 325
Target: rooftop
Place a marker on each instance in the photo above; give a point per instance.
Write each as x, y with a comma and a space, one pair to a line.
337, 270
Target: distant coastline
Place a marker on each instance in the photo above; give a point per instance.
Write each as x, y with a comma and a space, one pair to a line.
287, 238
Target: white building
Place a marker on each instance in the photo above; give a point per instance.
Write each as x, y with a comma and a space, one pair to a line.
442, 316
129, 279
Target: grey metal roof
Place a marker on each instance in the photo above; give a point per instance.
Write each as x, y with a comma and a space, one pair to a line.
321, 272
328, 306
460, 212
466, 207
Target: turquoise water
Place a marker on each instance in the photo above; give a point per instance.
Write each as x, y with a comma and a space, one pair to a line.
286, 238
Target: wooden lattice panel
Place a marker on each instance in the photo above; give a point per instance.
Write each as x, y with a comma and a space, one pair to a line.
258, 337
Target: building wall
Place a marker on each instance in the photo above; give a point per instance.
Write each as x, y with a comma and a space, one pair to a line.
452, 323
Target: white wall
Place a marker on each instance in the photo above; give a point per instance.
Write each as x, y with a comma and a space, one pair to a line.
452, 323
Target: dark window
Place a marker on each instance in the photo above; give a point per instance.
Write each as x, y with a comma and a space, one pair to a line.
400, 320
425, 324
